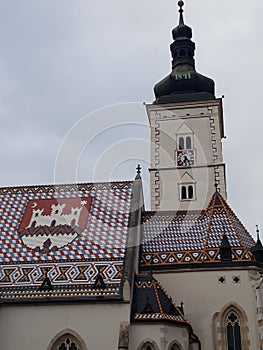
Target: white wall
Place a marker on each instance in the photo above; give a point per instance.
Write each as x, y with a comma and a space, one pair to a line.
203, 295
32, 327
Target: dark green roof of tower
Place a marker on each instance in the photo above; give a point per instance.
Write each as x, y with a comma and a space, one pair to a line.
183, 83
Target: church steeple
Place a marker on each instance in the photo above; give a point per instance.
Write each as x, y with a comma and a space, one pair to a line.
183, 83
186, 131
182, 48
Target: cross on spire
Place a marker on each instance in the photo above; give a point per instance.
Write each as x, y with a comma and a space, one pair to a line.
138, 176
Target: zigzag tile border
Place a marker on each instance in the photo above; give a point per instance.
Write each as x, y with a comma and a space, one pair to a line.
191, 257
60, 273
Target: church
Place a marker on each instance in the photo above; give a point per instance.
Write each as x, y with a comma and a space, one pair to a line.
85, 266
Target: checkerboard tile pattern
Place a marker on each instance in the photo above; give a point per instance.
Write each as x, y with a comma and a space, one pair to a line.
190, 237
102, 240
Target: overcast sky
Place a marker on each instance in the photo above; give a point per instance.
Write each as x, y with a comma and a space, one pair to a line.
62, 60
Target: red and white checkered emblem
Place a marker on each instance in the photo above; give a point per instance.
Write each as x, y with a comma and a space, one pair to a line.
49, 224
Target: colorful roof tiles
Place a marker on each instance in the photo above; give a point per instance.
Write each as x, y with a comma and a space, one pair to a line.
152, 303
183, 238
68, 232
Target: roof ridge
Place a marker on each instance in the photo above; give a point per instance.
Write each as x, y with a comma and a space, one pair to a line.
172, 212
211, 203
157, 297
171, 300
228, 209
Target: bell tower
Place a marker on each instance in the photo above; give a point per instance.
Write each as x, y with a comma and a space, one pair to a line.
186, 121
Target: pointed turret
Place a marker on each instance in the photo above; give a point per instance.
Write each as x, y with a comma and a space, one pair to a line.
183, 83
257, 250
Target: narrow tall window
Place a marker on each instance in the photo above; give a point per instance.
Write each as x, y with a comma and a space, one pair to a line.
188, 142
190, 192
183, 194
231, 328
233, 332
187, 192
181, 143
185, 142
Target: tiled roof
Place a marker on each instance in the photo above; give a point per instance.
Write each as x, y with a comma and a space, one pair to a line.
152, 303
183, 238
72, 233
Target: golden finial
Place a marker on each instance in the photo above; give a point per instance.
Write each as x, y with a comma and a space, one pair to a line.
181, 4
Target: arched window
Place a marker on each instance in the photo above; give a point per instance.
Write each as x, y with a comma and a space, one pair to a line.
67, 341
185, 142
231, 328
174, 347
148, 345
183, 194
233, 331
188, 142
181, 142
190, 192
187, 192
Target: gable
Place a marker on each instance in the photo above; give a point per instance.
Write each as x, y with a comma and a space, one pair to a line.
186, 178
184, 129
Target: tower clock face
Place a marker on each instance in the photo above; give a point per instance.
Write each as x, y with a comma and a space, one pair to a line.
185, 158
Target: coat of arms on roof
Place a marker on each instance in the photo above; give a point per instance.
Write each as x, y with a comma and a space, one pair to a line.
50, 224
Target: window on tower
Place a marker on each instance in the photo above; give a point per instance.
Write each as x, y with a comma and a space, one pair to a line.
187, 192
190, 192
187, 187
184, 154
181, 143
185, 142
183, 192
188, 142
